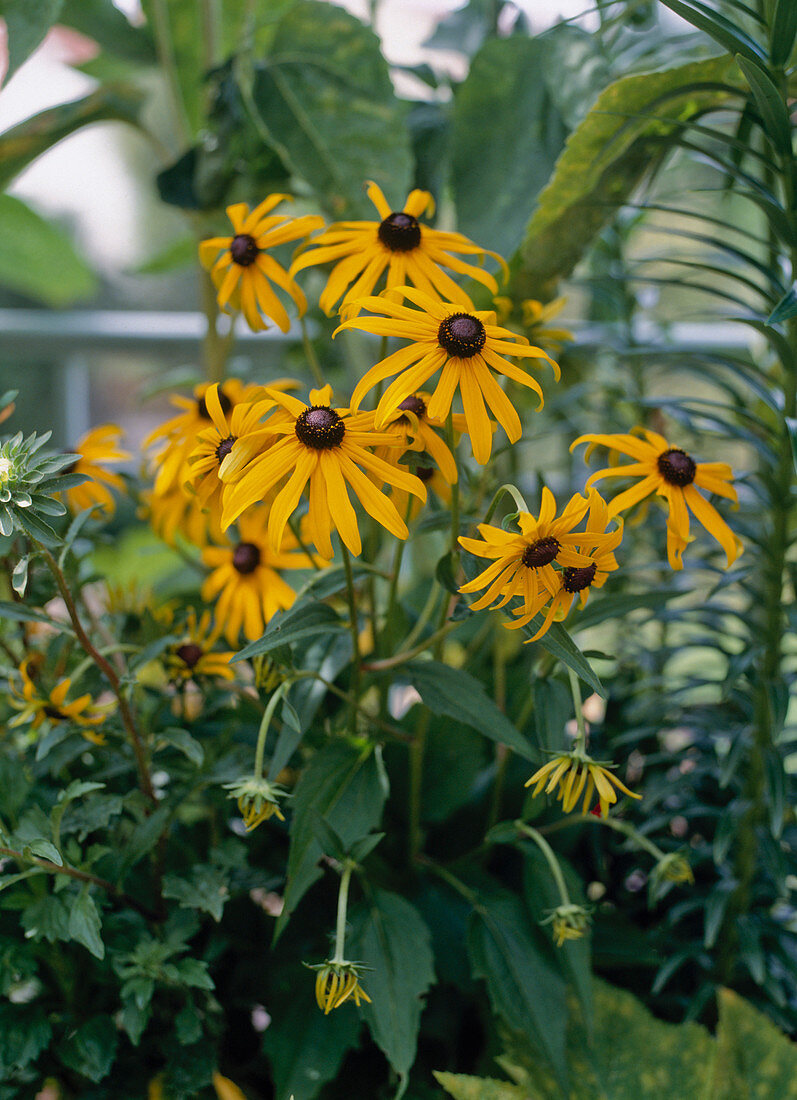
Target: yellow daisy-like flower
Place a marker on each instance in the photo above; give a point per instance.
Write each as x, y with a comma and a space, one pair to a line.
336, 983
469, 350
597, 547
523, 565
177, 512
35, 705
193, 656
244, 271
178, 436
243, 421
245, 581
399, 244
326, 449
96, 448
572, 774
674, 475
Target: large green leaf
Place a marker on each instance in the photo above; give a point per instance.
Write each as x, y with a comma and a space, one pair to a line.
304, 620
525, 988
344, 783
632, 121
506, 138
457, 694
755, 1060
37, 259
305, 1047
390, 936
463, 1087
29, 139
27, 22
325, 99
102, 21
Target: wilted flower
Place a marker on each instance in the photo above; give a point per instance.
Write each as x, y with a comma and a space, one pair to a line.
572, 773
674, 867
570, 922
336, 983
258, 800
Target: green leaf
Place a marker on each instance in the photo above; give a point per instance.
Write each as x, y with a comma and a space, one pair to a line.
44, 849
525, 988
47, 918
457, 694
326, 103
560, 645
305, 1047
184, 743
389, 936
103, 22
553, 706
462, 1087
24, 1033
23, 143
26, 26
791, 427
602, 607
786, 307
347, 785
180, 253
771, 106
605, 157
288, 741
91, 1050
505, 141
783, 29
85, 924
722, 30
754, 1060
53, 272
301, 621
206, 890
19, 578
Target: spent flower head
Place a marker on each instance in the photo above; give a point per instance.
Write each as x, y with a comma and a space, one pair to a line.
338, 982
569, 922
258, 800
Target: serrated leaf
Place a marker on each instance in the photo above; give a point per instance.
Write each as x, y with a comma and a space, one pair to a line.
457, 694
390, 936
287, 627
184, 743
326, 102
347, 785
206, 890
85, 923
25, 1032
90, 1051
26, 26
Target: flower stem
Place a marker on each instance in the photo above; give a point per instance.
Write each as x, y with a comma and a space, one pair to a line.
550, 858
310, 354
575, 687
265, 722
455, 486
516, 495
343, 902
354, 629
164, 47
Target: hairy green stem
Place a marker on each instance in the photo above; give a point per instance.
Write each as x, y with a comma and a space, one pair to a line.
354, 629
550, 858
265, 722
575, 688
309, 351
340, 925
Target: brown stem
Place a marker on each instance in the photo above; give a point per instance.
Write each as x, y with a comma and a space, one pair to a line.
109, 672
81, 876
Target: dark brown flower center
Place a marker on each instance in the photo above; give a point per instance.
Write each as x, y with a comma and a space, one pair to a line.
54, 713
542, 552
576, 580
414, 404
320, 427
224, 448
246, 557
244, 250
189, 653
400, 232
676, 467
224, 401
461, 335
425, 473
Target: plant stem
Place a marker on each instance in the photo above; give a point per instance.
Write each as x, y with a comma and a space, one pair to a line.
354, 629
455, 487
417, 750
575, 687
616, 823
408, 655
340, 925
310, 354
145, 782
516, 495
168, 62
550, 858
502, 753
296, 532
265, 722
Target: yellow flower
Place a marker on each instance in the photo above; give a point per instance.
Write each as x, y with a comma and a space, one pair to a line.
674, 475
35, 705
326, 448
244, 271
258, 800
597, 547
245, 581
535, 317
177, 512
336, 983
572, 773
226, 1089
96, 448
179, 435
465, 345
410, 252
674, 867
193, 655
524, 563
570, 922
